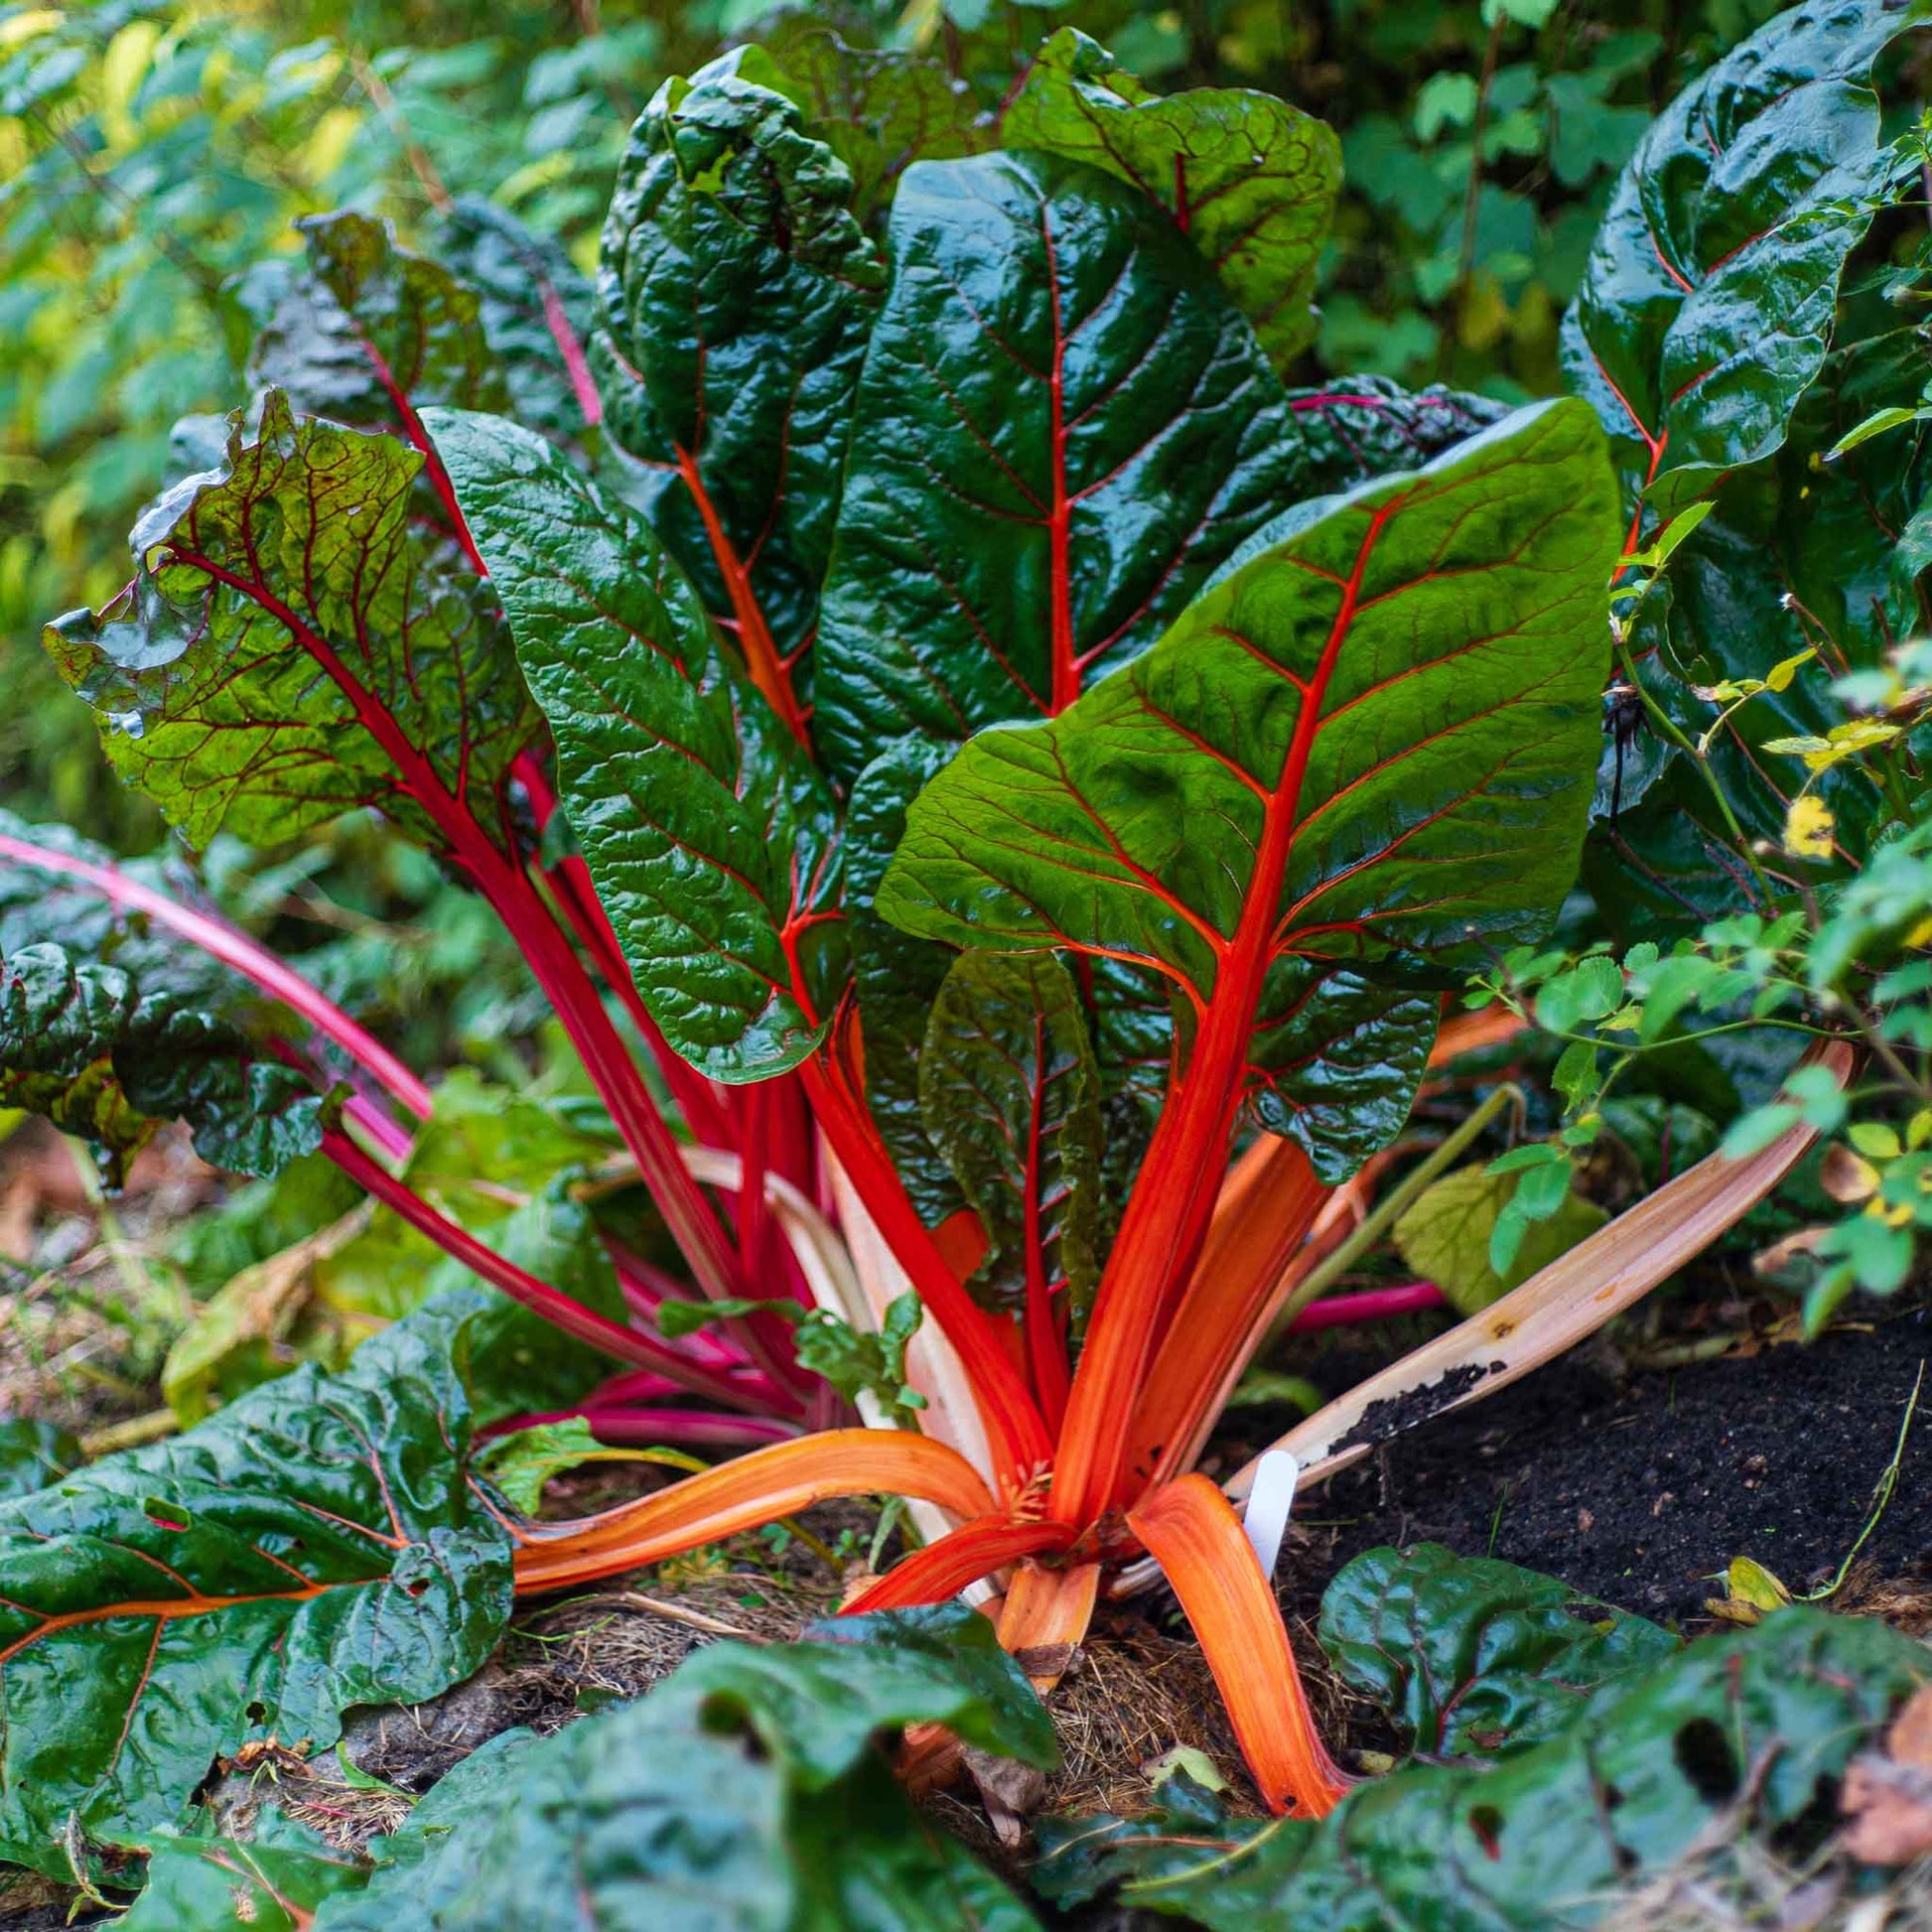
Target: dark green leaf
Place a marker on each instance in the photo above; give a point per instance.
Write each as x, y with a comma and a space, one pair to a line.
733, 296
1063, 429
1012, 1098
287, 639
744, 1795
1732, 1746
1475, 1656
274, 1882
1249, 179
1705, 311
314, 1546
1388, 712
710, 836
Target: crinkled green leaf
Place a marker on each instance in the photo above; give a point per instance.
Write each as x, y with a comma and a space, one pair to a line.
1387, 712
34, 1453
879, 109
314, 1546
273, 1883
286, 637
710, 836
1248, 179
1472, 1656
1012, 1098
743, 1795
1063, 429
1706, 305
1732, 1746
108, 1059
535, 310
733, 296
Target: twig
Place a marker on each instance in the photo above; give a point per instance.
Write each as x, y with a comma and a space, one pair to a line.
630, 1599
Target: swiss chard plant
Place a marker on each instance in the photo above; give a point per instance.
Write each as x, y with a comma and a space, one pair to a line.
964, 750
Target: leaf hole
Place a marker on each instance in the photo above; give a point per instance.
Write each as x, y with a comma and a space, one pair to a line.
417, 1588
1704, 1756
257, 1712
1488, 1824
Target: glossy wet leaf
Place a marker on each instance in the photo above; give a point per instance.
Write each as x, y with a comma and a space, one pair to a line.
287, 639
1660, 1764
744, 1793
314, 1546
1012, 1098
1389, 711
1063, 429
1472, 1656
1707, 304
734, 295
1248, 179
272, 1882
710, 836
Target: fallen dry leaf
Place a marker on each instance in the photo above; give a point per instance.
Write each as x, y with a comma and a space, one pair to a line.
1887, 1796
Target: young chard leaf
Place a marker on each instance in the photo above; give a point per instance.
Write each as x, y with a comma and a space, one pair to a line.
712, 840
1706, 305
1012, 1098
314, 1546
1062, 428
1471, 1655
1249, 179
1382, 710
296, 559
733, 296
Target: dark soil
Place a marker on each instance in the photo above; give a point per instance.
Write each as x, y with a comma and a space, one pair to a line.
1639, 1487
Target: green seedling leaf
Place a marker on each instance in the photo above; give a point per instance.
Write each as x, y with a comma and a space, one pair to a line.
1707, 304
1876, 424
1063, 429
521, 1463
712, 840
1447, 1235
1249, 179
866, 1362
1474, 1657
314, 1546
1012, 1098
1591, 990
1307, 959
